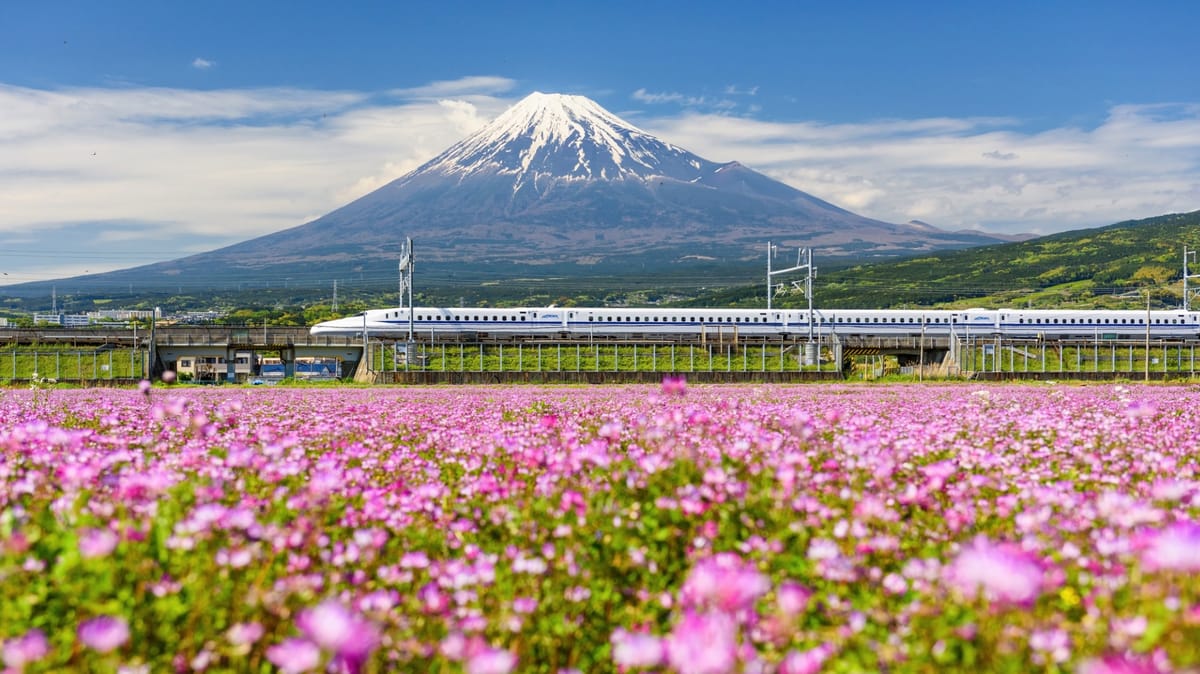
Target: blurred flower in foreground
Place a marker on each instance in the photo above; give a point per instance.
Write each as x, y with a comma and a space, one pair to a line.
95, 543
636, 651
1005, 573
30, 647
104, 633
674, 386
294, 656
491, 661
1174, 548
703, 643
724, 581
804, 662
334, 628
1118, 664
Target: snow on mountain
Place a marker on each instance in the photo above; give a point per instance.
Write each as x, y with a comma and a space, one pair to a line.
563, 137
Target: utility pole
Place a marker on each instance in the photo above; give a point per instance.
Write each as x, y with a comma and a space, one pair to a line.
406, 281
1147, 335
335, 295
803, 263
1188, 290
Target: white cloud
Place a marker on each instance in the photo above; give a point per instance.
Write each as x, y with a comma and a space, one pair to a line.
666, 97
206, 167
474, 85
93, 170
971, 173
202, 63
733, 90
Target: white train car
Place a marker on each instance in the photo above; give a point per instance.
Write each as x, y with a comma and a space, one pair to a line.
601, 321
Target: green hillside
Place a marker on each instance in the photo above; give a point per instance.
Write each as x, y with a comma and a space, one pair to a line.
1108, 266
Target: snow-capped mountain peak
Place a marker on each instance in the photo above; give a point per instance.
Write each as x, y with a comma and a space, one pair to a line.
547, 137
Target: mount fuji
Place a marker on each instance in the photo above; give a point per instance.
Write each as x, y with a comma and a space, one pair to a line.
557, 180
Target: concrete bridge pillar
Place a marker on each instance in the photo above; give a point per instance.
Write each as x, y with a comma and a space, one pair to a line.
288, 358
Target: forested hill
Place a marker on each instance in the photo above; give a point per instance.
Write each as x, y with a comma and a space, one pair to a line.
1108, 266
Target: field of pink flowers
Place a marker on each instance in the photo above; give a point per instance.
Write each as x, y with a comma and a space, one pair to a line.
675, 529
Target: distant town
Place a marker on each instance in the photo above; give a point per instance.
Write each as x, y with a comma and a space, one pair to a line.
112, 318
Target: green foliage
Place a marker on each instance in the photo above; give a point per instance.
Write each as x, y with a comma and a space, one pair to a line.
1078, 269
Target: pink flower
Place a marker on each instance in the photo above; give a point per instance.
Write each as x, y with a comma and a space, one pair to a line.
1174, 548
674, 386
30, 647
104, 633
491, 661
724, 581
95, 543
332, 627
244, 634
804, 662
1118, 664
1005, 573
792, 598
635, 650
703, 643
1140, 409
294, 656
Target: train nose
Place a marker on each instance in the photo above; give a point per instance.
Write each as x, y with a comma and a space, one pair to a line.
340, 326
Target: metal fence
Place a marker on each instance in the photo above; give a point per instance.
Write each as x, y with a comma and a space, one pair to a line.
18, 365
1119, 358
598, 357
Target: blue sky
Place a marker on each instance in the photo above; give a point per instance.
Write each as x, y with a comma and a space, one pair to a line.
138, 131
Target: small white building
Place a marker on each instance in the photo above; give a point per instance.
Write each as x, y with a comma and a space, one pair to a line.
215, 368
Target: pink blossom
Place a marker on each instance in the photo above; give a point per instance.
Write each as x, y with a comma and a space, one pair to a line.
244, 634
491, 661
104, 633
724, 581
334, 628
294, 656
95, 543
25, 649
1174, 548
674, 386
792, 598
636, 650
703, 643
1005, 573
804, 662
1118, 664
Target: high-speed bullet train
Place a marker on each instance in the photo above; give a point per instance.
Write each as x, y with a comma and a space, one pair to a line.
584, 321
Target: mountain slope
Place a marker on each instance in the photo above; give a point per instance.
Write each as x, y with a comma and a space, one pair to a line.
1106, 266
